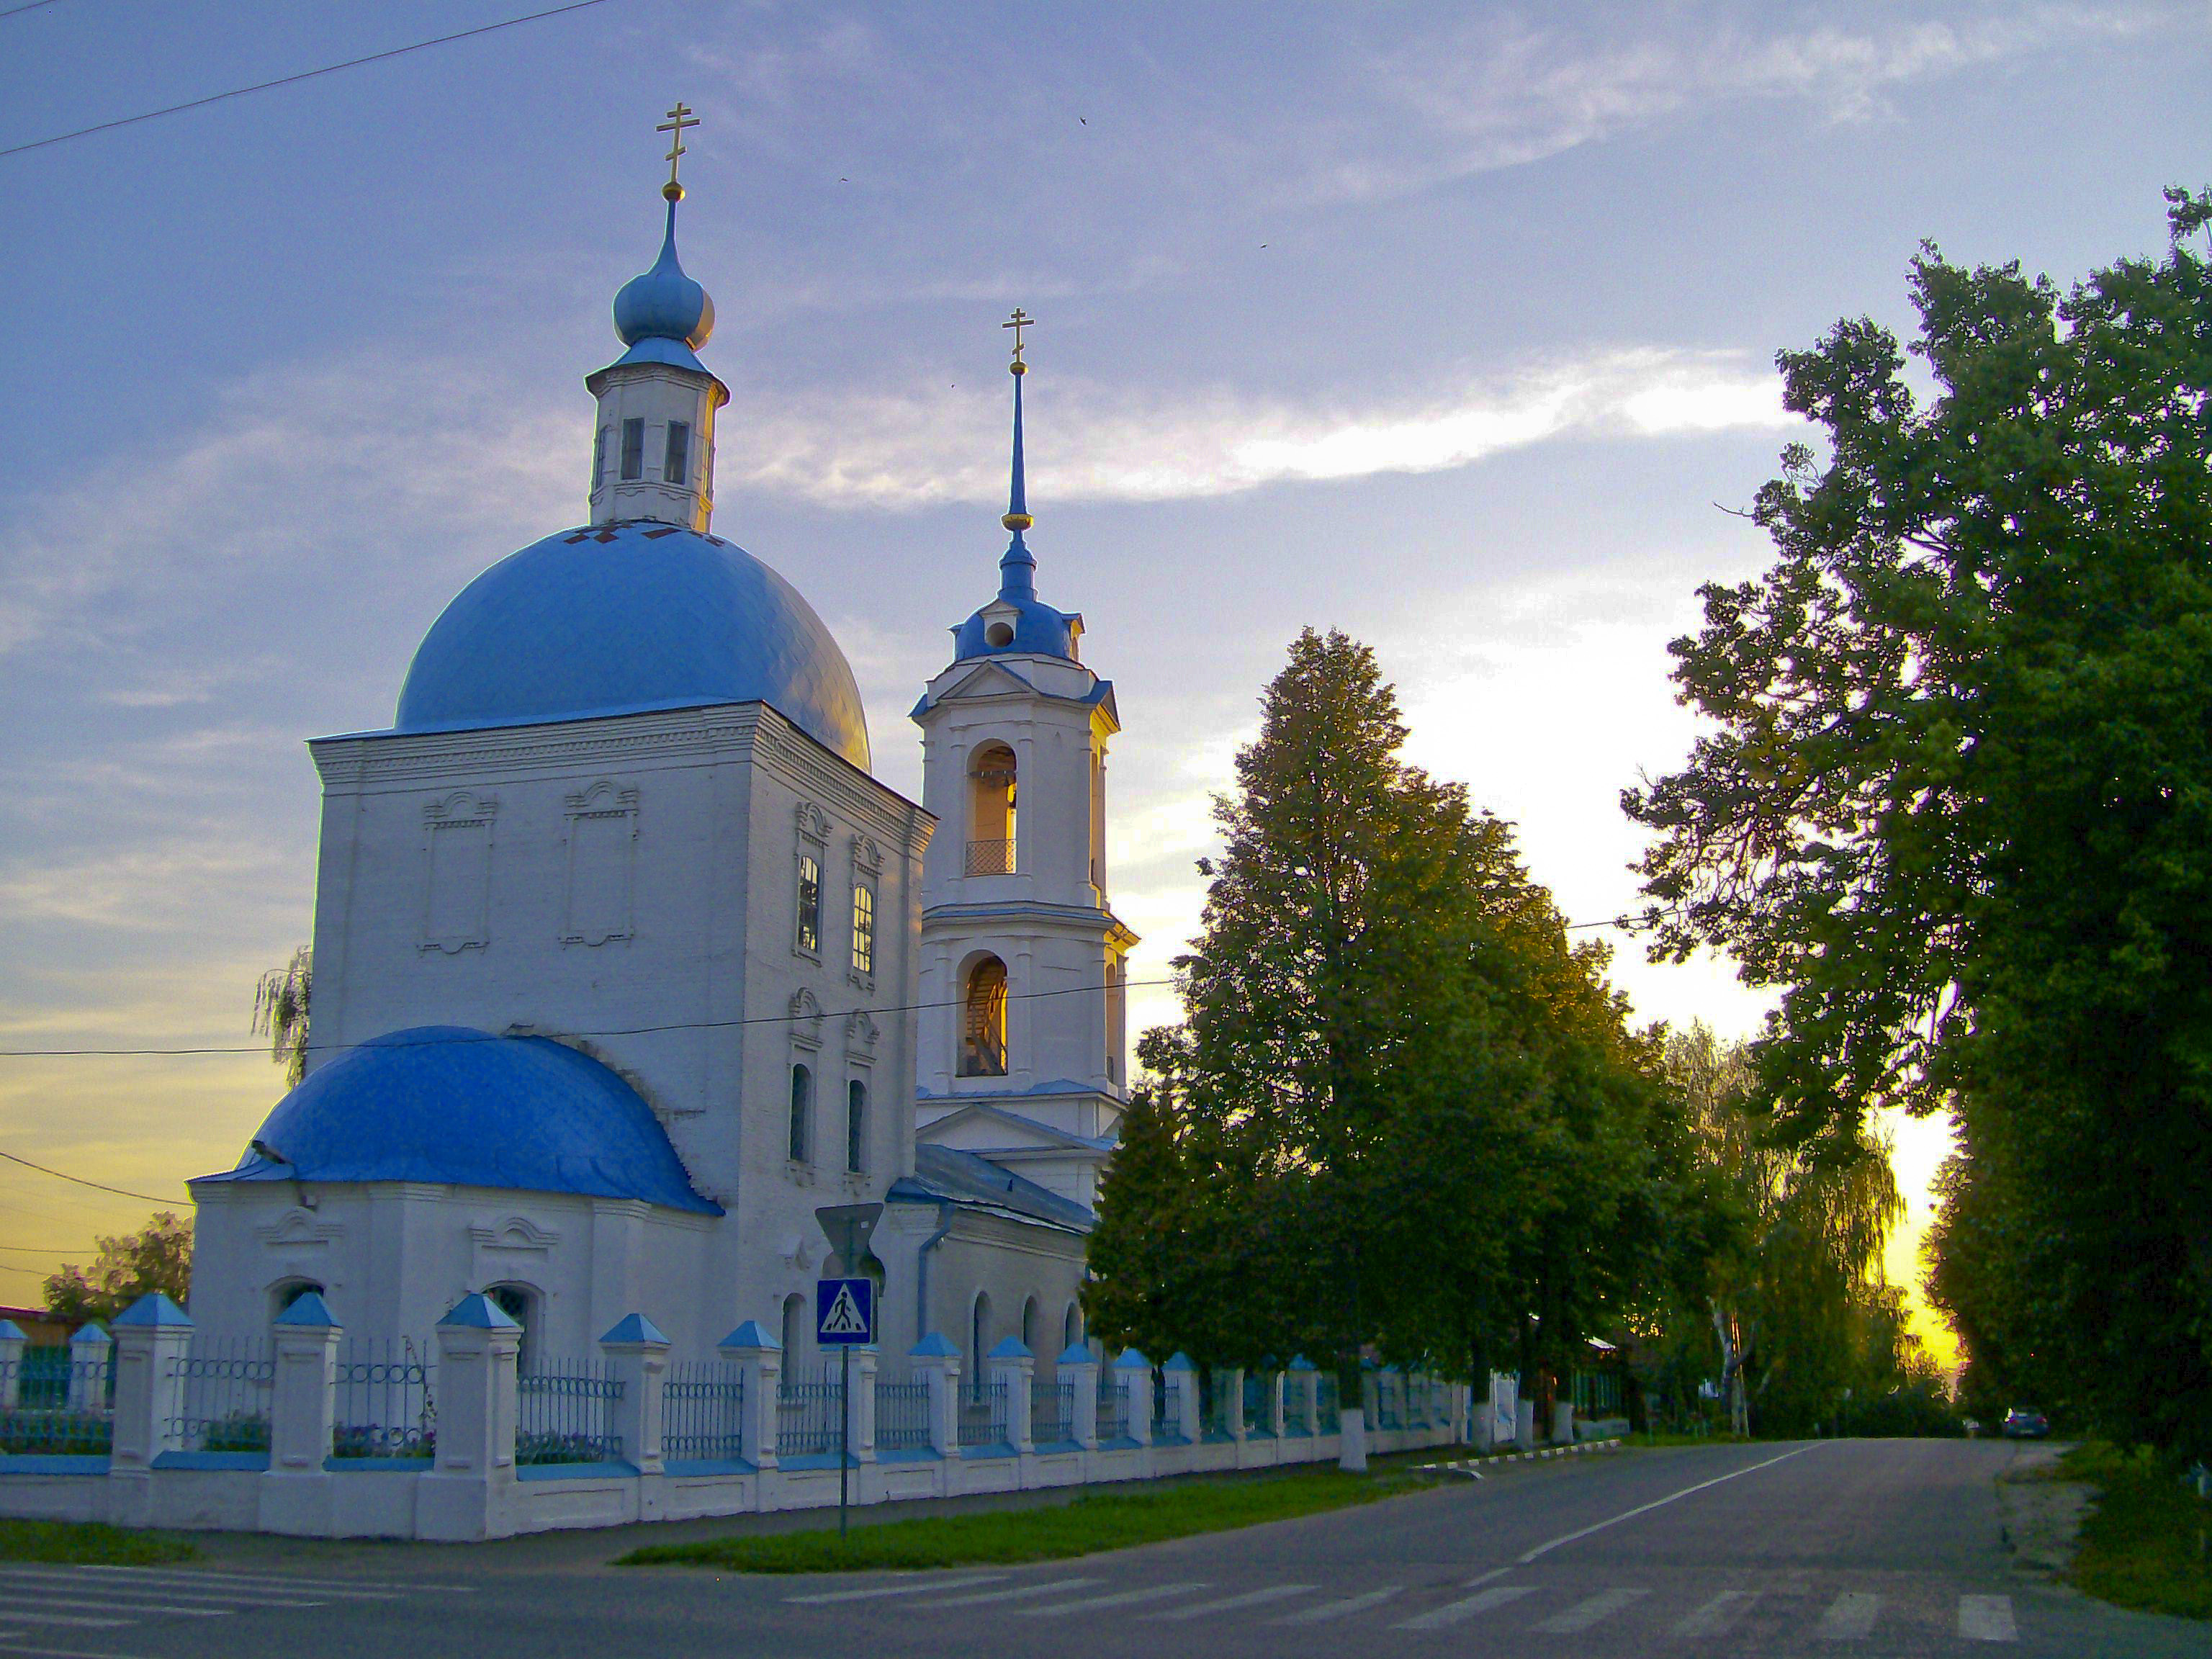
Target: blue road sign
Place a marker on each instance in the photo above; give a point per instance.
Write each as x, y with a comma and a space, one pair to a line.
845, 1312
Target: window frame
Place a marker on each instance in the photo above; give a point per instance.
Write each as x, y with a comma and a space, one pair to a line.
856, 1126
863, 927
633, 449
807, 935
798, 1127
676, 454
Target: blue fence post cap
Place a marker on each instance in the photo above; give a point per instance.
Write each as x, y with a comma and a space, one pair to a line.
11, 1332
308, 1309
634, 1328
153, 1309
750, 1335
935, 1345
478, 1312
1073, 1354
1012, 1348
1180, 1361
96, 1332
1300, 1362
1132, 1359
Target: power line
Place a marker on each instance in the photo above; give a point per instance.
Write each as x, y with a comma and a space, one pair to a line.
17, 11
286, 79
120, 1192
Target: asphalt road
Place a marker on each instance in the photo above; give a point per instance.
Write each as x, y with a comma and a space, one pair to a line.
1843, 1548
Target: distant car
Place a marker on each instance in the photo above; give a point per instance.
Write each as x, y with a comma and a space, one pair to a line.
2021, 1424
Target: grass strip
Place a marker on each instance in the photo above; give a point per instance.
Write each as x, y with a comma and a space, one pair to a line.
88, 1543
2147, 1543
1095, 1520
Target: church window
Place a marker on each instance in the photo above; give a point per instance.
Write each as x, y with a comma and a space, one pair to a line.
998, 635
1071, 1326
979, 1336
1028, 1324
795, 1330
810, 904
983, 1028
802, 1112
864, 928
599, 457
856, 1126
519, 1303
633, 449
991, 796
676, 465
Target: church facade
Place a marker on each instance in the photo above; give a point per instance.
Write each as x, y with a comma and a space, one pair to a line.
625, 963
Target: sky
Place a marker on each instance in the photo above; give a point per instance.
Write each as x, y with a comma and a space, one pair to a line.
1451, 325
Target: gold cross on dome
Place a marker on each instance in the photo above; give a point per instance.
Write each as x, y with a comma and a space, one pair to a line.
1022, 319
679, 119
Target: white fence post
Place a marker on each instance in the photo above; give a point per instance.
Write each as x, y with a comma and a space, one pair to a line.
937, 1363
1275, 1406
1232, 1407
294, 1490
759, 1359
1014, 1366
637, 1354
469, 1493
1305, 1382
12, 1343
1076, 1368
1181, 1377
1132, 1374
149, 1398
860, 1407
90, 1348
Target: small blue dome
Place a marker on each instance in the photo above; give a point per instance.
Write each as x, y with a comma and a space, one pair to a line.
1035, 630
620, 618
445, 1104
664, 303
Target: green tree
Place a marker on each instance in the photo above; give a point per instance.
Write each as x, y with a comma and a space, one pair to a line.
129, 1266
1958, 802
280, 1012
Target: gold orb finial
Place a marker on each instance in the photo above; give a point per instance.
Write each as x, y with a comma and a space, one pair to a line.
1017, 521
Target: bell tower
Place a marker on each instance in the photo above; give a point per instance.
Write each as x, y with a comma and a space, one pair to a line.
1024, 1022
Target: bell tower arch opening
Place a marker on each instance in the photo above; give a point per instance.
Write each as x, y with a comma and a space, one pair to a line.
992, 775
983, 1020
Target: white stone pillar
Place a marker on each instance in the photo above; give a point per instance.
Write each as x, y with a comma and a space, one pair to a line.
301, 1408
90, 1349
1274, 1406
936, 1361
1076, 1368
1232, 1407
1304, 1383
1015, 1367
12, 1343
469, 1493
861, 1407
156, 1335
759, 1359
1133, 1373
1351, 1417
1182, 1395
637, 1354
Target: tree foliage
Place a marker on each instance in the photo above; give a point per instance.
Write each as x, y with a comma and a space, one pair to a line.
129, 1266
281, 997
1958, 800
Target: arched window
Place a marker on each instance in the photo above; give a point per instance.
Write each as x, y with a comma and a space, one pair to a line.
991, 810
983, 1027
794, 1331
864, 929
1071, 1326
1029, 1324
810, 905
519, 1303
802, 1112
856, 1126
979, 1340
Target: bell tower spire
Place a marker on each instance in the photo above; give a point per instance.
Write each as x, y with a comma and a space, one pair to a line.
1017, 567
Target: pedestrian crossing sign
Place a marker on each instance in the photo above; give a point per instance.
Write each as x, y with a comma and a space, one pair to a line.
845, 1312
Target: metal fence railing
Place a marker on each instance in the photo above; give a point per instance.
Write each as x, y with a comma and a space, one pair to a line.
1596, 1394
1164, 1427
983, 1415
702, 1411
809, 1414
1260, 1405
990, 858
1297, 1415
564, 1413
385, 1404
62, 1404
1052, 1412
224, 1386
1113, 1422
1221, 1399
1329, 1417
902, 1416
1387, 1414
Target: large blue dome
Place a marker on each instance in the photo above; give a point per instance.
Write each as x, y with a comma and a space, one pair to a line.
447, 1103
617, 619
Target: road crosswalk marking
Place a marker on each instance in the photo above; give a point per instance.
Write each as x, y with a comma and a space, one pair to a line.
1986, 1619
1015, 1594
1453, 1613
1584, 1614
1235, 1603
870, 1593
1328, 1610
1118, 1599
103, 1598
78, 1621
277, 1581
214, 1585
1717, 1615
54, 1579
1849, 1617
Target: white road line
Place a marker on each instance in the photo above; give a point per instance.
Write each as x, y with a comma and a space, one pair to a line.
110, 1605
62, 1578
1986, 1619
277, 1581
9, 1644
1328, 1610
1118, 1599
1584, 1614
1849, 1617
1230, 1603
1452, 1612
23, 1617
1015, 1594
1660, 1502
1717, 1615
910, 1588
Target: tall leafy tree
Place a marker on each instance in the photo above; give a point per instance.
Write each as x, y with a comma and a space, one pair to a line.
158, 1257
1958, 800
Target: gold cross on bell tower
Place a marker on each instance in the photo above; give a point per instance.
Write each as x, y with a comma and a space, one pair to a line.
1022, 319
679, 119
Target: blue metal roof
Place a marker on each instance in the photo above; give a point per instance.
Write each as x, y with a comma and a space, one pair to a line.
946, 1173
664, 303
620, 618
445, 1104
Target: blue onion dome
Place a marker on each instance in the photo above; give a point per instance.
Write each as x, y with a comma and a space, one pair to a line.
665, 304
622, 618
451, 1104
1035, 628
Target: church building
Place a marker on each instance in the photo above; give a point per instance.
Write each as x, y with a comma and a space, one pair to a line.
625, 961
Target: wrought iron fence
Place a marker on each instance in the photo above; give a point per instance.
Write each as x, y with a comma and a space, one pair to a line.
1596, 1394
385, 1404
902, 1416
809, 1414
1328, 1415
983, 1415
1386, 1413
1164, 1427
1297, 1414
1260, 1405
62, 1404
1052, 1412
1113, 1418
564, 1413
702, 1412
224, 1395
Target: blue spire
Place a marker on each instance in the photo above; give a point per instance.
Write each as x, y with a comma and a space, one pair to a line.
1018, 568
665, 303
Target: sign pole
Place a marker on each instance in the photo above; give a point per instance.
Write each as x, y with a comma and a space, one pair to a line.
844, 1433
